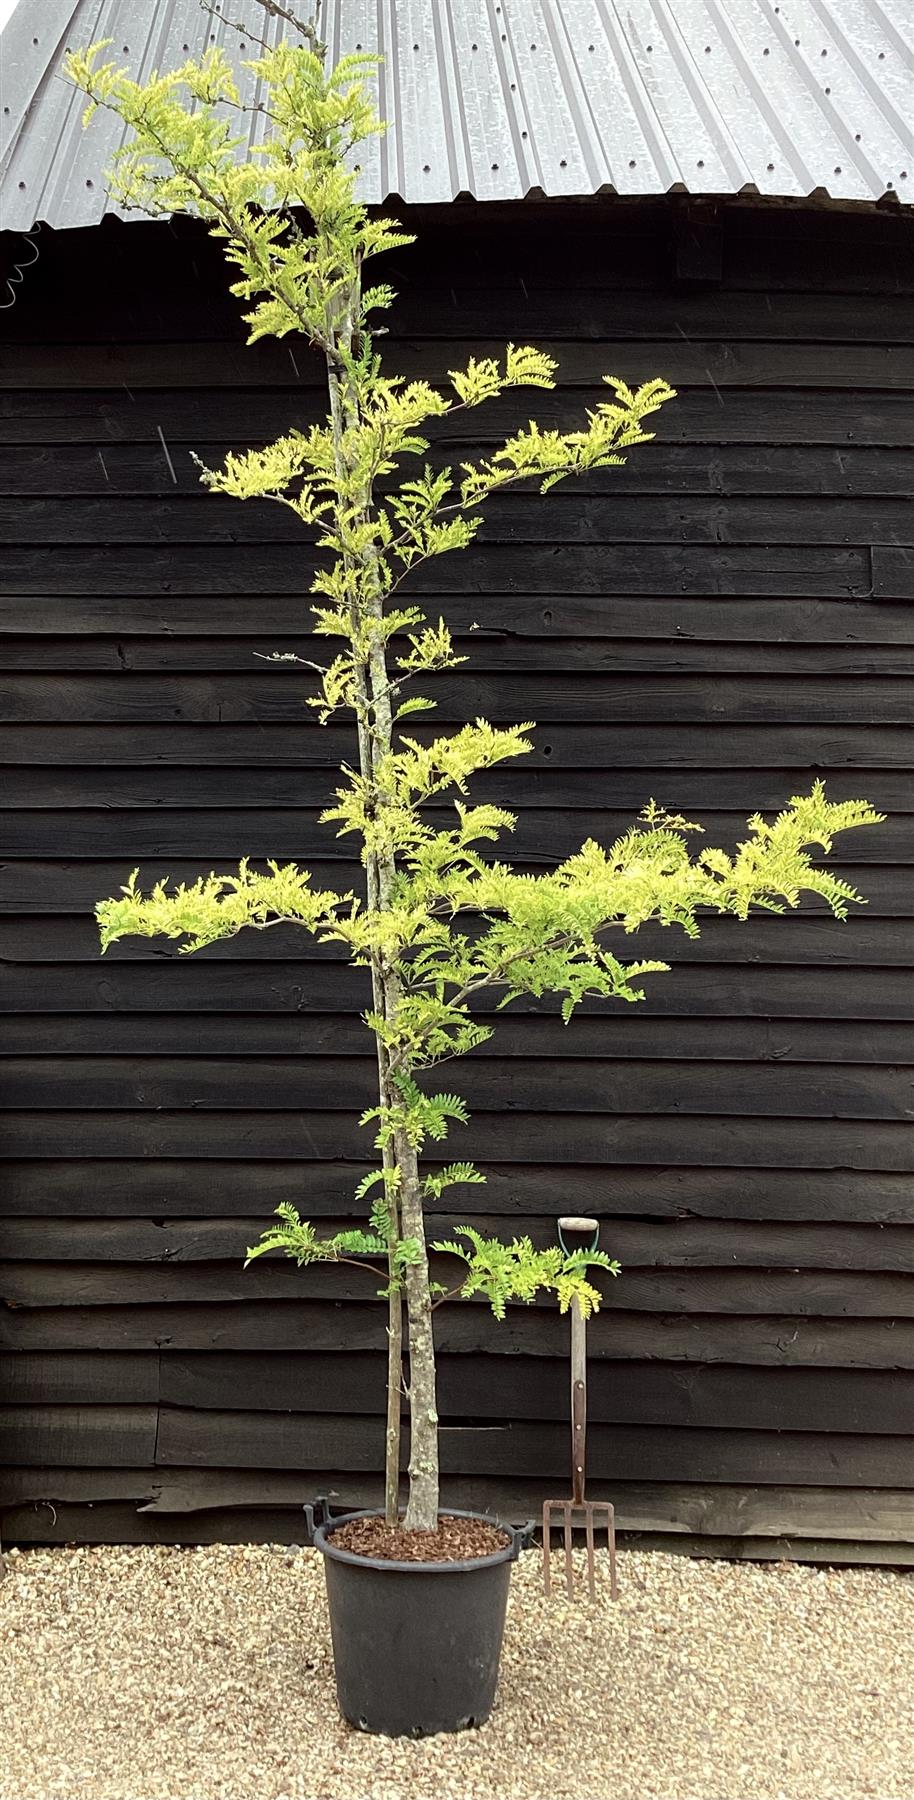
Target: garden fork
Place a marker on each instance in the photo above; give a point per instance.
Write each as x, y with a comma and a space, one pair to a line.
578, 1510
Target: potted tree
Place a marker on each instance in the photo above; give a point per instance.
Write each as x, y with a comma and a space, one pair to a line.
417, 1599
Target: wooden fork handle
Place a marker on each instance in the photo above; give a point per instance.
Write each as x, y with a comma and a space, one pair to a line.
578, 1402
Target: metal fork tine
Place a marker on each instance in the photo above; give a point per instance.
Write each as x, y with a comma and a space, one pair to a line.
591, 1570
569, 1565
564, 1516
547, 1548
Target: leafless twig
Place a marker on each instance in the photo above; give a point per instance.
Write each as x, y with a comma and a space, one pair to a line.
306, 28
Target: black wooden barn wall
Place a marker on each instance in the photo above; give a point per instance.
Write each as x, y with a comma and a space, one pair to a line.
715, 625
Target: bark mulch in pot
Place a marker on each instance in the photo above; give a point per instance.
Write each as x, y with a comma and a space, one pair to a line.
456, 1540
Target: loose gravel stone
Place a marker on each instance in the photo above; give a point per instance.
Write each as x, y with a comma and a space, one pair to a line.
168, 1674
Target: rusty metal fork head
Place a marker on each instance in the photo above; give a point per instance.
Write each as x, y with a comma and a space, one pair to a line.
594, 1516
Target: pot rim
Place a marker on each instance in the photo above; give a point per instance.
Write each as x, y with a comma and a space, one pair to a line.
323, 1533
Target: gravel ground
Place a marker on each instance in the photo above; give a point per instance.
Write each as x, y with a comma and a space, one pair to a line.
164, 1674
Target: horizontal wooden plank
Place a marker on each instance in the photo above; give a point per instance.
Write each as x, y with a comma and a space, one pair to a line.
517, 519
279, 698
426, 303
96, 1378
809, 570
876, 1516
622, 1452
79, 1435
117, 1522
513, 1388
684, 362
882, 1514
137, 632
81, 1378
712, 990
184, 247
222, 1188
192, 420
632, 1034
544, 834
490, 1085
804, 1293
593, 312
618, 241
716, 1396
143, 470
780, 1341
864, 939
674, 747
37, 1485
673, 655
522, 293
682, 1243
117, 789
557, 1139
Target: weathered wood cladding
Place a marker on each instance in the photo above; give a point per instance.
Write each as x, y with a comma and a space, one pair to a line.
715, 624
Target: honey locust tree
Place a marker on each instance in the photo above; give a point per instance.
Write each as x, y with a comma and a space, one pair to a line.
441, 919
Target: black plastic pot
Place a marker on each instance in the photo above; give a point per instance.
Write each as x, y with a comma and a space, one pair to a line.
416, 1646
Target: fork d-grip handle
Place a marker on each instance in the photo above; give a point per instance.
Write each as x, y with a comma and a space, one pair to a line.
569, 1228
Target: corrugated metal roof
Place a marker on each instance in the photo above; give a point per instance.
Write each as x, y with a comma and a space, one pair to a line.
498, 98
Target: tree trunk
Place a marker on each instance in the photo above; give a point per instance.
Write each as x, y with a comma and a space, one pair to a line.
422, 1510
342, 406
375, 731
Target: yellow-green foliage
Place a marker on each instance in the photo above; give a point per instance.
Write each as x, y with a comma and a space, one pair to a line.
217, 906
448, 922
516, 1271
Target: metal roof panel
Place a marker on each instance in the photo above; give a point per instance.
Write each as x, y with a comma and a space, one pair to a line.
501, 98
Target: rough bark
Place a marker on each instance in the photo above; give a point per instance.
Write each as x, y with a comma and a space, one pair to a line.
422, 1509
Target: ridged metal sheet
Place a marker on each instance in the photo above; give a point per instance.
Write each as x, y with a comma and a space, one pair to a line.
501, 98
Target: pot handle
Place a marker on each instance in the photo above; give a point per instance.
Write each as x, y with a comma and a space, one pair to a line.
317, 1514
522, 1537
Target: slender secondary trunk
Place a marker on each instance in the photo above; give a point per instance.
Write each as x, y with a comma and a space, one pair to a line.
380, 1001
422, 1506
394, 1356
